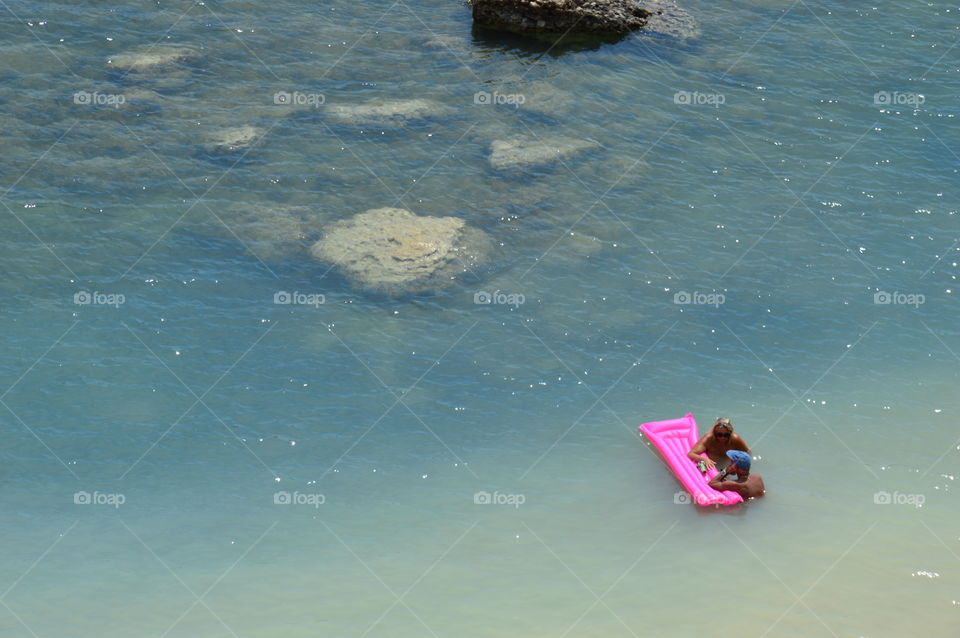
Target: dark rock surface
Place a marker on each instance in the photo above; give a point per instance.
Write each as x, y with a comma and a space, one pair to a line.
561, 16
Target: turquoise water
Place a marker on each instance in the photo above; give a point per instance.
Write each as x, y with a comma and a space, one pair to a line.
789, 191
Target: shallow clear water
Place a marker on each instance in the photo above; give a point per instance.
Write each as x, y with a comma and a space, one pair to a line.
197, 399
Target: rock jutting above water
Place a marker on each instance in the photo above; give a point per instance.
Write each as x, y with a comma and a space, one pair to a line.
601, 17
520, 153
385, 112
587, 17
394, 251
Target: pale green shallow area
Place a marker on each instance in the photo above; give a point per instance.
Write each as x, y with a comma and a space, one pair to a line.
797, 199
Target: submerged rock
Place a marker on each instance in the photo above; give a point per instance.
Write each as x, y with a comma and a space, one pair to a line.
234, 138
538, 96
140, 94
519, 153
115, 174
601, 17
386, 112
546, 99
270, 233
150, 59
450, 43
394, 251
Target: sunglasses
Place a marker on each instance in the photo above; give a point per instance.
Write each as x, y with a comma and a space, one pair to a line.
722, 435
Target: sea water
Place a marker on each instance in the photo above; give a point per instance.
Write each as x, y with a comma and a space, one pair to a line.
767, 230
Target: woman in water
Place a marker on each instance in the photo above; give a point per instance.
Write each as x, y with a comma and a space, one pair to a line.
718, 440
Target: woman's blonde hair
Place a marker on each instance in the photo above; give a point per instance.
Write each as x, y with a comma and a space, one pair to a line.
725, 422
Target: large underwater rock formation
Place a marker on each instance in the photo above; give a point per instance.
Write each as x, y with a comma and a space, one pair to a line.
394, 251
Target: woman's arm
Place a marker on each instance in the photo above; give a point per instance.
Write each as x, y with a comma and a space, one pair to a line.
700, 447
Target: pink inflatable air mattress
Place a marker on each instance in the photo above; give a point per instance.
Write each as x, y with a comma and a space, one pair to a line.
674, 438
